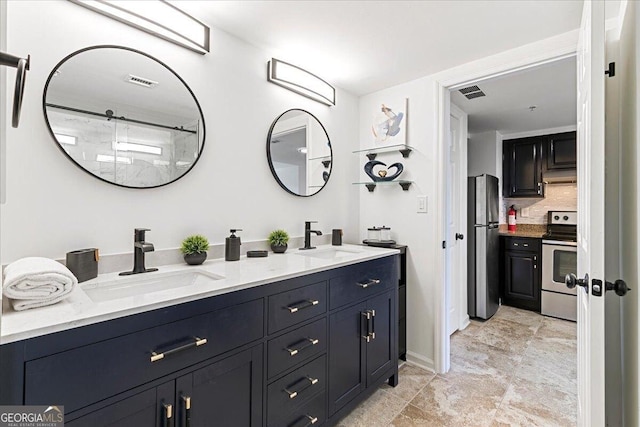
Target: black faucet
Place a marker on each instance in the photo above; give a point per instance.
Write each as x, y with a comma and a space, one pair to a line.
140, 247
307, 235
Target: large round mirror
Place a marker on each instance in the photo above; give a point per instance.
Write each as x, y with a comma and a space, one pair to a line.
299, 152
124, 117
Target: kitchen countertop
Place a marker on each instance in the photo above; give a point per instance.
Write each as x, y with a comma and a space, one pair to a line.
534, 231
79, 310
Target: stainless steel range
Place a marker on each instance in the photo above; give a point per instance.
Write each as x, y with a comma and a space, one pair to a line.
559, 258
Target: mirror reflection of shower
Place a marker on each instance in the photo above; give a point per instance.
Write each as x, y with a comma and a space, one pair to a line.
22, 65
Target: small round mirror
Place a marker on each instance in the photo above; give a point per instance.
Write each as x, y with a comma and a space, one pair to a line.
299, 152
124, 117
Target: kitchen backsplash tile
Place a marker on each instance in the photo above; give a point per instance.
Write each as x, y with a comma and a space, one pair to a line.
558, 197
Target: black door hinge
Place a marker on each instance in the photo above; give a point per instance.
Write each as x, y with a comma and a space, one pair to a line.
444, 244
611, 71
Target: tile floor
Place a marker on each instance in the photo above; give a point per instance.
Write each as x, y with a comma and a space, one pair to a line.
516, 369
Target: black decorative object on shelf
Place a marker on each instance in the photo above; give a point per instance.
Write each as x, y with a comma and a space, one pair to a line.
325, 176
382, 173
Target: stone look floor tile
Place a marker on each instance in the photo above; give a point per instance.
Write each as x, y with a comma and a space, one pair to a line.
538, 404
507, 335
379, 410
516, 369
411, 380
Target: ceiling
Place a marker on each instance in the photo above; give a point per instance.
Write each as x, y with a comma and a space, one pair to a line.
551, 88
365, 46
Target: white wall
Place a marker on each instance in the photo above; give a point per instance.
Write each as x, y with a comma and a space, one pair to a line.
54, 207
629, 70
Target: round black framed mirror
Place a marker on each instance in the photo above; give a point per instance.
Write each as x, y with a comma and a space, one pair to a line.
124, 117
299, 152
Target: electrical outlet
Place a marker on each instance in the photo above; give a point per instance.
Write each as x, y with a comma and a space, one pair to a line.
524, 212
422, 204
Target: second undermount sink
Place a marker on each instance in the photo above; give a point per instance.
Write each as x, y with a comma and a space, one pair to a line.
329, 253
146, 283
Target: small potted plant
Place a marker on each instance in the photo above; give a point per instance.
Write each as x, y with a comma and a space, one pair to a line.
278, 240
195, 249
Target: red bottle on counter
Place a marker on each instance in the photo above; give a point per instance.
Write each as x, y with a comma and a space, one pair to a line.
512, 219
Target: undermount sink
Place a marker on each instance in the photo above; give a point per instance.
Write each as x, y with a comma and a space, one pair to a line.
146, 283
330, 253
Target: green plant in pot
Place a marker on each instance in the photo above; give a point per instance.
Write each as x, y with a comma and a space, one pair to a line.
278, 240
195, 249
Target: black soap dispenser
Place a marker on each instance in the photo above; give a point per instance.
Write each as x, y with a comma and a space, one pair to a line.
232, 246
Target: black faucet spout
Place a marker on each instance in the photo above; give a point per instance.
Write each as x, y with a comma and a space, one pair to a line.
307, 235
140, 247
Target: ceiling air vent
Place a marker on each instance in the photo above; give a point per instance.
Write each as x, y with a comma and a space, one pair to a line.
472, 92
141, 81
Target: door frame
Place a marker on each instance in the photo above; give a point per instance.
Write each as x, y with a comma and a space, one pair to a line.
525, 57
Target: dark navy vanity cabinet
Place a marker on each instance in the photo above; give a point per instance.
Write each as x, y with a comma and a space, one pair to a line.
298, 352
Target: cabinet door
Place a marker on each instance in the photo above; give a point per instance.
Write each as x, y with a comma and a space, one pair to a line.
561, 151
149, 408
522, 280
227, 393
346, 356
523, 163
381, 349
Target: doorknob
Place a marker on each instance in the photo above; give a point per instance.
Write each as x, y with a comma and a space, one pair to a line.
619, 286
571, 281
459, 236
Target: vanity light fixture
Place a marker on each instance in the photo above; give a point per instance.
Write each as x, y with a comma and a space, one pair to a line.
300, 81
157, 17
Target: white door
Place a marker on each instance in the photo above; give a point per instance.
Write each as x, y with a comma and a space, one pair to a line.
456, 257
591, 224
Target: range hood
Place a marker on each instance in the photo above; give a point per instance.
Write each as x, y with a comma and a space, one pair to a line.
562, 176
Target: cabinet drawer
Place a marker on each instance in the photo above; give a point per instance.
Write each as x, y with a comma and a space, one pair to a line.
297, 346
291, 307
87, 374
363, 280
295, 389
522, 244
310, 414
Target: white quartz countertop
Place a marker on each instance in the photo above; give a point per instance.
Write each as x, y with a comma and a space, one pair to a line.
79, 310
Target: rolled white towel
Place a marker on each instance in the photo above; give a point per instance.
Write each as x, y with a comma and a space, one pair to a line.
35, 282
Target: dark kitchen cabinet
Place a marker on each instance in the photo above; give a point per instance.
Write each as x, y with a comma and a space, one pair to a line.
362, 348
521, 279
560, 151
522, 167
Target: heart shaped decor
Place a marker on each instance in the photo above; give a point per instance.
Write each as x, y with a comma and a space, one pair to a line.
382, 174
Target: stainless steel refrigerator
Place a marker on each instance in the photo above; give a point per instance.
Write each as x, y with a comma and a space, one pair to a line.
483, 289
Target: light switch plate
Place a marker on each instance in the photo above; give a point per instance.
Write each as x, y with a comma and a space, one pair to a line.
422, 204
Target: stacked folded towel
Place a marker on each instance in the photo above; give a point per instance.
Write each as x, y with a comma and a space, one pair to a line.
36, 282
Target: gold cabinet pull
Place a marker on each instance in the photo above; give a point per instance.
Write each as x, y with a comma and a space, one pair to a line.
368, 283
294, 308
196, 343
308, 383
309, 342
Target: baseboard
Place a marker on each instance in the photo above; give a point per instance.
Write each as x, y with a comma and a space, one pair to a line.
465, 322
420, 361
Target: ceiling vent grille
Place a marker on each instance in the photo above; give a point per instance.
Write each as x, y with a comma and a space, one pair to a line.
141, 81
472, 92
